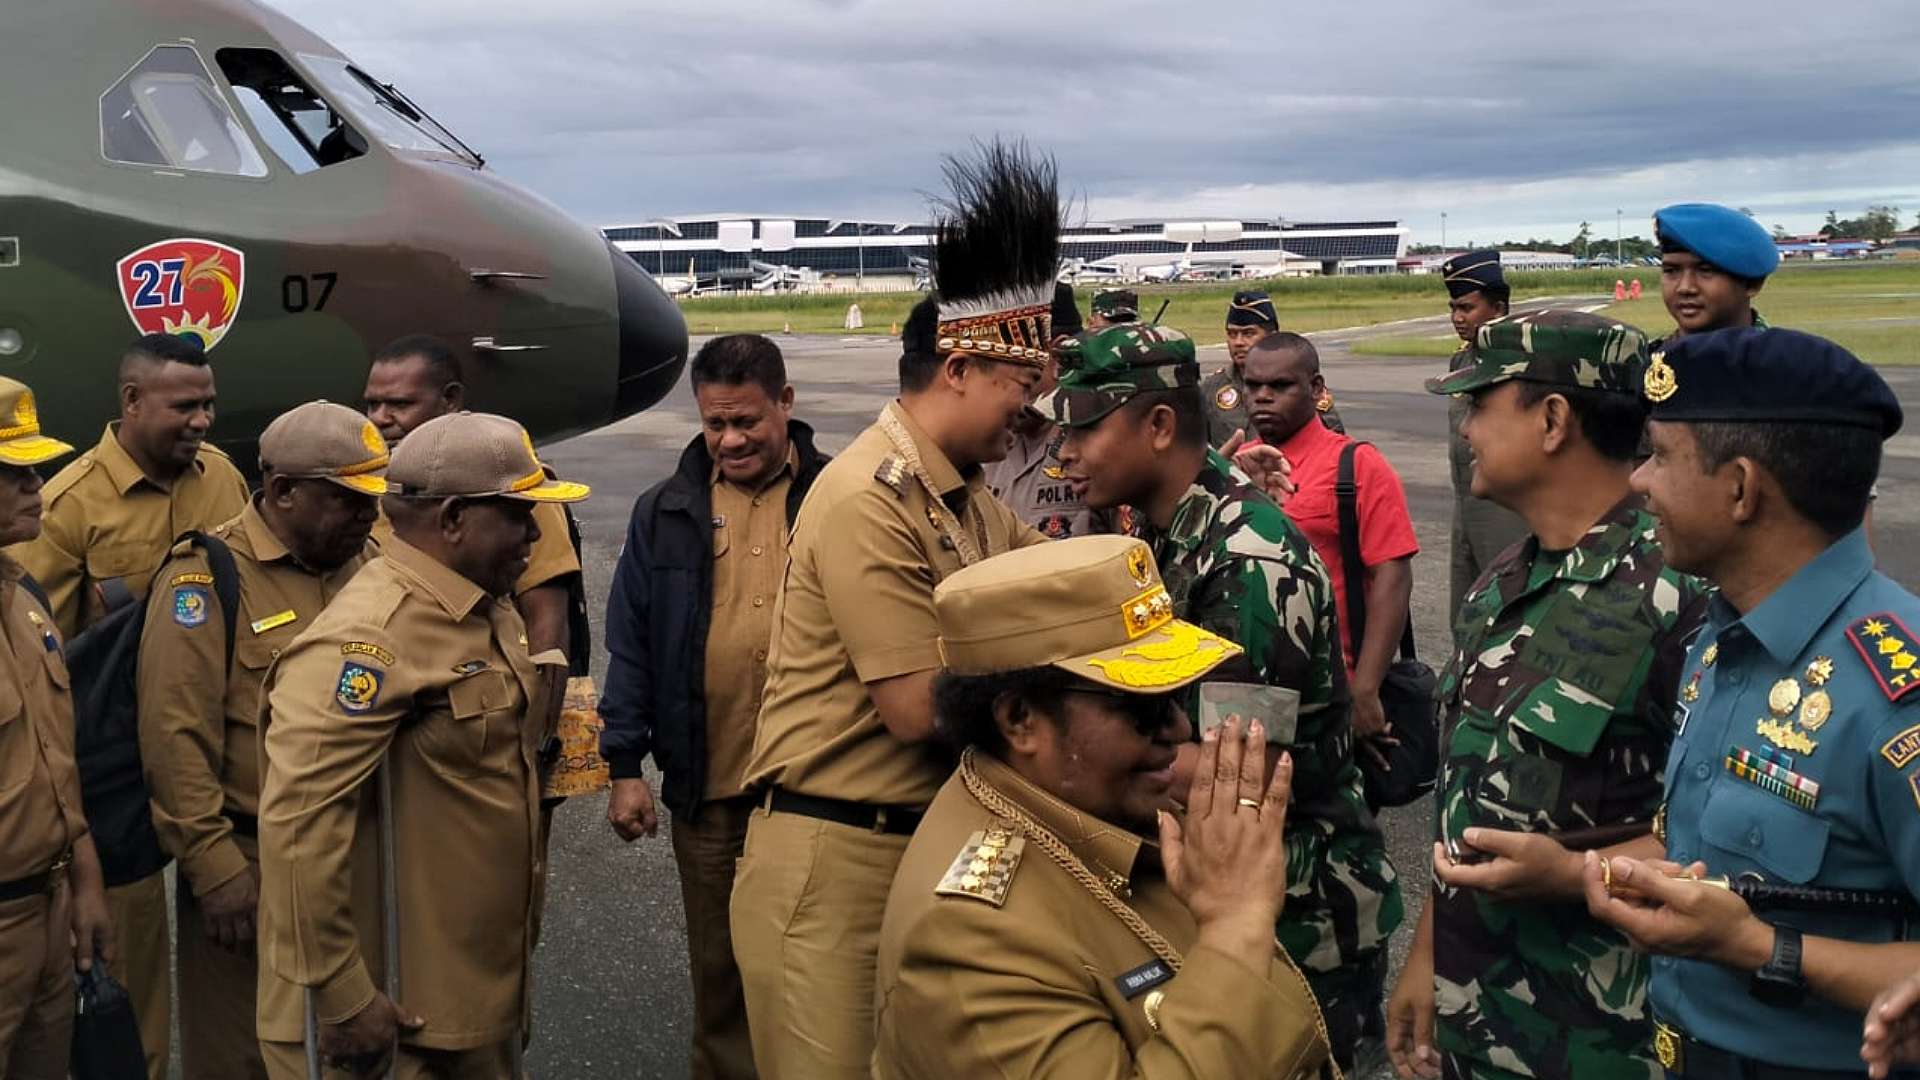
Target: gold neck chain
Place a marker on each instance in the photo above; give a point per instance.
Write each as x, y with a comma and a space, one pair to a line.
1056, 849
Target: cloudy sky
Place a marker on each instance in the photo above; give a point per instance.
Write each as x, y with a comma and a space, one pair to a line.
1514, 119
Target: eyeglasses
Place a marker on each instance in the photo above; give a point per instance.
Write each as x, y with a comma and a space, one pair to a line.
1151, 713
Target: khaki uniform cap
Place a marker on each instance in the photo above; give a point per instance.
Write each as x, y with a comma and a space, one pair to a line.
324, 441
1093, 606
474, 455
20, 440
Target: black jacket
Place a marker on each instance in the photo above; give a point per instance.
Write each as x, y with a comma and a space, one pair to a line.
658, 611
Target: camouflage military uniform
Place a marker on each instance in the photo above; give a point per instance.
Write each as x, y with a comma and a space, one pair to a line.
1237, 566
1481, 528
1559, 705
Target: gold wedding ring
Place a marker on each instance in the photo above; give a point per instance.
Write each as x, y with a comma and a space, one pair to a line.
1251, 804
1606, 875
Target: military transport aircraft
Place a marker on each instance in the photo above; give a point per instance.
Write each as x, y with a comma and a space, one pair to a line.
209, 168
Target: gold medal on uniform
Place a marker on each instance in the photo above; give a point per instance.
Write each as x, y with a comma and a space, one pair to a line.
1713, 653
1820, 671
1815, 710
1784, 697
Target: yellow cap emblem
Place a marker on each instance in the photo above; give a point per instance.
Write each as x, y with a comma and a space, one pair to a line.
1660, 382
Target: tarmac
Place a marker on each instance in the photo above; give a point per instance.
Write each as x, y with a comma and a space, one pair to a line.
612, 997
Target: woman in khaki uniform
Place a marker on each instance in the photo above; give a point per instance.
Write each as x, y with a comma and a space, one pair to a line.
1051, 916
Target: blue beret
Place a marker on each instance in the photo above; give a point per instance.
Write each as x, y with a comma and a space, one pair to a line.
1473, 271
1746, 375
1251, 307
1724, 237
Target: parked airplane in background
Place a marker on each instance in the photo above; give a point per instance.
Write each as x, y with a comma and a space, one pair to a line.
211, 169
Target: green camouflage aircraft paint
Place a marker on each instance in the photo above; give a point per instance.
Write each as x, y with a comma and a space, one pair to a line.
210, 168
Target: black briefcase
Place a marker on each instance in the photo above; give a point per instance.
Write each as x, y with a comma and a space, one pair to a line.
106, 1037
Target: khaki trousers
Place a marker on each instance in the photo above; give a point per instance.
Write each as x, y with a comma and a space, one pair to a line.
288, 1061
706, 851
36, 985
139, 912
217, 1040
807, 904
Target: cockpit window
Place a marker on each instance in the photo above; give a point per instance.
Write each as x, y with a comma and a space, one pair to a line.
386, 113
166, 112
297, 124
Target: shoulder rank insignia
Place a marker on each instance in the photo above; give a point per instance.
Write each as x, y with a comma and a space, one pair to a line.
893, 473
984, 870
189, 606
359, 687
1887, 647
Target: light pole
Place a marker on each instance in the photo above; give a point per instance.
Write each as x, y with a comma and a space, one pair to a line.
1443, 234
860, 275
1616, 239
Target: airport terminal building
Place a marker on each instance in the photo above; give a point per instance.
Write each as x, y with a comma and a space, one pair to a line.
727, 245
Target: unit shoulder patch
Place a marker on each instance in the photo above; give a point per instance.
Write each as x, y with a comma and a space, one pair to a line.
892, 471
985, 866
367, 648
1901, 750
359, 688
190, 606
1889, 650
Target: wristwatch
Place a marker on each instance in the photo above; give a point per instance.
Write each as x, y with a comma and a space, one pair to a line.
1780, 982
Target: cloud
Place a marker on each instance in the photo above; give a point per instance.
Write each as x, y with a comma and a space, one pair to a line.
1534, 116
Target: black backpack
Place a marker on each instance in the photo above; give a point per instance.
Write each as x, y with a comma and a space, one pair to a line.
103, 662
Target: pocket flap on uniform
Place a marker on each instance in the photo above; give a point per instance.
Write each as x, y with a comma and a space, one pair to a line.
1562, 714
253, 653
478, 694
1750, 824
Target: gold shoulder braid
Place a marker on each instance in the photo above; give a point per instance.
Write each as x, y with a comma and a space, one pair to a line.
949, 524
1056, 849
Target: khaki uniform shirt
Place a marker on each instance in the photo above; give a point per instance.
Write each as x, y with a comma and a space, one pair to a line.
1029, 481
553, 555
412, 663
1030, 973
198, 718
749, 559
104, 520
40, 810
856, 608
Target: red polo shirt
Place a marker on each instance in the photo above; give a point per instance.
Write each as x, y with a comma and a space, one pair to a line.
1386, 528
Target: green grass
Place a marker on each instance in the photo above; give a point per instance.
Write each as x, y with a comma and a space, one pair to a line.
1857, 306
1303, 304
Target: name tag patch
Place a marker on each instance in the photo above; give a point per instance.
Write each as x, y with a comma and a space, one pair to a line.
261, 626
1143, 978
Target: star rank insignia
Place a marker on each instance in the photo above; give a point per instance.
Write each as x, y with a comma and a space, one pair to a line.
1886, 646
985, 866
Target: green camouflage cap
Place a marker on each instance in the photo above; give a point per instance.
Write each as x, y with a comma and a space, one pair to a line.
1117, 362
1116, 304
1556, 346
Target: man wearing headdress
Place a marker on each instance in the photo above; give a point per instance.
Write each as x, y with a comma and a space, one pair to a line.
842, 766
1029, 479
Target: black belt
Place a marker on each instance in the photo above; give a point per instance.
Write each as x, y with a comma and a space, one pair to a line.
893, 820
1683, 1055
244, 824
35, 884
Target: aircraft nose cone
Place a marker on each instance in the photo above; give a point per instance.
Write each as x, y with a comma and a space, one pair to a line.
653, 338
